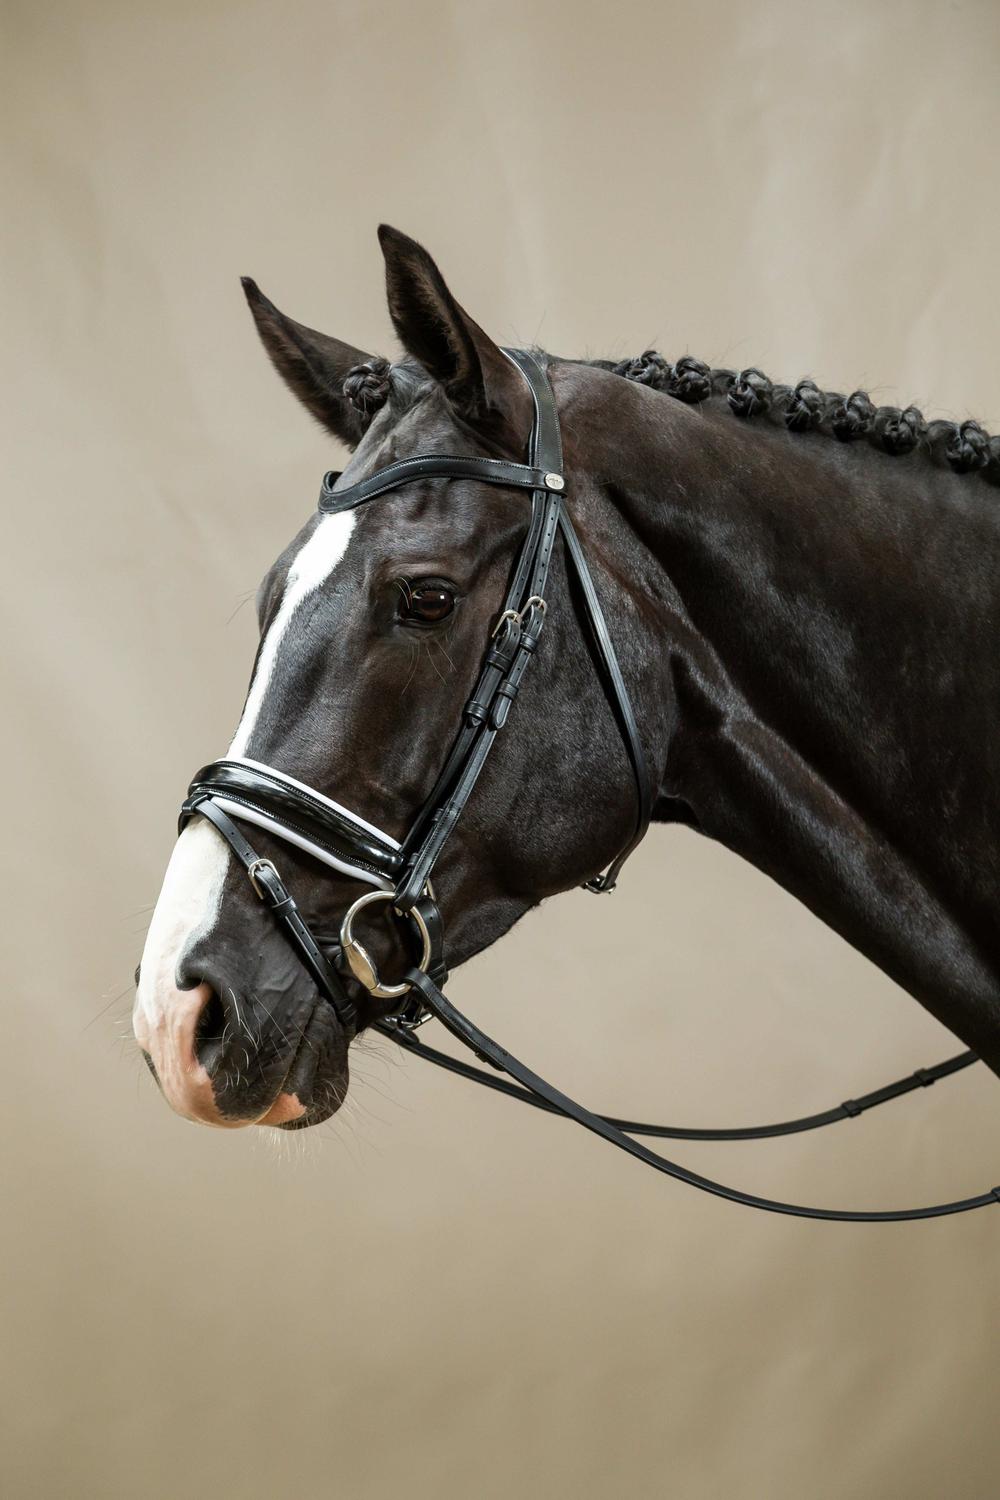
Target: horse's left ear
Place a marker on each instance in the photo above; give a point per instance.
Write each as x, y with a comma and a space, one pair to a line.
317, 368
477, 377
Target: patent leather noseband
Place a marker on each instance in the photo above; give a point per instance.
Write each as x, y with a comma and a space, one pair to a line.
236, 791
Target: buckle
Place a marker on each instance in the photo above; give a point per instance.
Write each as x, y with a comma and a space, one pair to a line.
253, 871
413, 1014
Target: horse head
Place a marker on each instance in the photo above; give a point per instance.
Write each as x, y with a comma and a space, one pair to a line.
373, 627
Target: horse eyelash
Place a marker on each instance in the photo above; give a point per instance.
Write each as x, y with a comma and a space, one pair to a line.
405, 588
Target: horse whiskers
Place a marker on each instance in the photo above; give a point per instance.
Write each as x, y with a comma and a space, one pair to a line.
107, 1006
244, 599
302, 1036
366, 1080
239, 1017
414, 657
443, 650
433, 663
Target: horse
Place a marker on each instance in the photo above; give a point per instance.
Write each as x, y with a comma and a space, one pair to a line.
801, 588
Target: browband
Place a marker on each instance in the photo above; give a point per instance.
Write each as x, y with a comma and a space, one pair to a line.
436, 466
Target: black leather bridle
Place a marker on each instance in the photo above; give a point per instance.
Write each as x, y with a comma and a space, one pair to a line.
238, 788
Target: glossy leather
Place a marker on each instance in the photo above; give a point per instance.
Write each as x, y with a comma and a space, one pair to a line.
433, 466
290, 806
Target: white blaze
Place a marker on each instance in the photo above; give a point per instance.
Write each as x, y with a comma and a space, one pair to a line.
310, 568
188, 904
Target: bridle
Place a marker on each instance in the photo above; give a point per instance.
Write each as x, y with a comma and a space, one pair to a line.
238, 790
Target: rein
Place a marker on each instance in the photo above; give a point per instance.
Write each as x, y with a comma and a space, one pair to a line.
237, 788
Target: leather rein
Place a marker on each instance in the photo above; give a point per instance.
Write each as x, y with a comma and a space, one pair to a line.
237, 791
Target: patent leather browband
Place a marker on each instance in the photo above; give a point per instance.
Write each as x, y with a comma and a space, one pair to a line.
240, 789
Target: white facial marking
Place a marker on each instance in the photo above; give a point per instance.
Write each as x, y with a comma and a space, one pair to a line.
188, 904
311, 567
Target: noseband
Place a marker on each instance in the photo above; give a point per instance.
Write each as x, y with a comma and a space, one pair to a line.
238, 790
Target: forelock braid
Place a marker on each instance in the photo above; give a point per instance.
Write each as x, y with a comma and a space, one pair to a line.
367, 386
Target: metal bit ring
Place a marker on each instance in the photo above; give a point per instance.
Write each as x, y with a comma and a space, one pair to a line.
361, 963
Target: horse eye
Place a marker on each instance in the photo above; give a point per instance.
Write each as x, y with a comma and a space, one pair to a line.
425, 601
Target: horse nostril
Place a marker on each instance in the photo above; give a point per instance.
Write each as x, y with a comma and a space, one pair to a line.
209, 1032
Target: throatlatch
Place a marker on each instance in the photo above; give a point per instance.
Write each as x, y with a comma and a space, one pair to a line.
240, 789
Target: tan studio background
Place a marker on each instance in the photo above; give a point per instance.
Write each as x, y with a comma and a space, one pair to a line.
437, 1294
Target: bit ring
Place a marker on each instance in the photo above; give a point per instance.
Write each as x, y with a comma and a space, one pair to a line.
361, 963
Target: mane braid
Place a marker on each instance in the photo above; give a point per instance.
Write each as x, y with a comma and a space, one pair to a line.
966, 447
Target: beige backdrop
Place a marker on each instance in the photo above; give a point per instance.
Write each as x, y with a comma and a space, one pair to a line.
438, 1294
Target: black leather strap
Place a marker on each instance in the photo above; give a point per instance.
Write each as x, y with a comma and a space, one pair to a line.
434, 466
848, 1110
495, 664
272, 891
301, 811
621, 702
507, 656
559, 1103
546, 437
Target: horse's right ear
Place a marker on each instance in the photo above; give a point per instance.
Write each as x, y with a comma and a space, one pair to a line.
315, 367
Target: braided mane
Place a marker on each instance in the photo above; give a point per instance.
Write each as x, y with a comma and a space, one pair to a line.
964, 446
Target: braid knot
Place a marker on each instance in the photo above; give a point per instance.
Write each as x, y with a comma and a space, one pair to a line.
750, 392
968, 448
648, 368
366, 386
853, 417
690, 380
898, 431
804, 407
965, 446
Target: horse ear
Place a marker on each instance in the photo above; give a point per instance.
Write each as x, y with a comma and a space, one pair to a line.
314, 367
477, 377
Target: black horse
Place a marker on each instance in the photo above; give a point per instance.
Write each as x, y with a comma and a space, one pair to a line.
801, 589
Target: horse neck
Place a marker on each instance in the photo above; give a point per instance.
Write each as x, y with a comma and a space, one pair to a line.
828, 631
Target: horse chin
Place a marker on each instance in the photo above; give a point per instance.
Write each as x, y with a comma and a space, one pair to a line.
312, 1090
316, 1103
315, 1114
